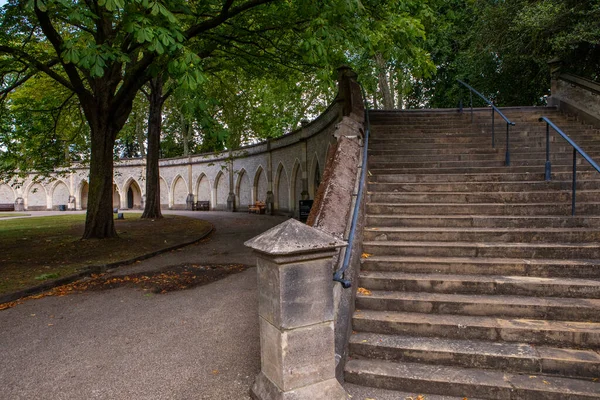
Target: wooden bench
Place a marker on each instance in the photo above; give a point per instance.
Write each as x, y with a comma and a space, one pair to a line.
202, 205
7, 207
258, 208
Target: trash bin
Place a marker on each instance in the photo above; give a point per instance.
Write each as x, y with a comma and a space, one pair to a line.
62, 207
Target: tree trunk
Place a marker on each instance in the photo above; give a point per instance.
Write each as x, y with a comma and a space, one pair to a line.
99, 223
400, 74
152, 206
139, 133
185, 134
384, 85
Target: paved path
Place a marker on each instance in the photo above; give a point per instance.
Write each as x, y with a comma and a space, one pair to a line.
124, 343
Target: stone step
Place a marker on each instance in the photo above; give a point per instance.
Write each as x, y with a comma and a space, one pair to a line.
507, 175
366, 393
536, 145
466, 198
482, 221
469, 169
467, 382
507, 306
485, 249
458, 150
503, 356
515, 209
584, 335
403, 158
479, 135
485, 234
495, 161
529, 138
544, 268
516, 186
480, 284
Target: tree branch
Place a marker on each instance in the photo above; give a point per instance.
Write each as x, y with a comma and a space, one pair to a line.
31, 62
76, 84
226, 13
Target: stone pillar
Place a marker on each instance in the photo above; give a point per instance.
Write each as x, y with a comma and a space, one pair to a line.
304, 166
231, 196
295, 310
19, 204
189, 201
270, 199
555, 66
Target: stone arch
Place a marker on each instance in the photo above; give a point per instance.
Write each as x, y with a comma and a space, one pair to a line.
314, 176
133, 194
7, 194
37, 197
60, 194
260, 185
243, 195
82, 196
282, 189
203, 188
221, 191
296, 185
164, 193
179, 193
116, 196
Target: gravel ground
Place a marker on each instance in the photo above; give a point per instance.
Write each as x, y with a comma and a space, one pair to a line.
124, 343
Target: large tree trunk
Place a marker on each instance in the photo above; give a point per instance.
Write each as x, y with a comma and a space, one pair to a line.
186, 129
139, 133
99, 223
384, 85
152, 206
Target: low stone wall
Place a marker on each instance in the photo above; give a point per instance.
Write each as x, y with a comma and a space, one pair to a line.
576, 95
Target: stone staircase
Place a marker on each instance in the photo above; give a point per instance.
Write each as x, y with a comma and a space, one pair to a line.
479, 283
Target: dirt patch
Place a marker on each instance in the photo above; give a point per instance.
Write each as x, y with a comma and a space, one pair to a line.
165, 280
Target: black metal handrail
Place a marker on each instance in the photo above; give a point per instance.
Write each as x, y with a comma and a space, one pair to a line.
576, 149
494, 110
338, 276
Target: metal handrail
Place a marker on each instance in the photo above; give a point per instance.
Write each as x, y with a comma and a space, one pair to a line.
338, 276
576, 149
494, 110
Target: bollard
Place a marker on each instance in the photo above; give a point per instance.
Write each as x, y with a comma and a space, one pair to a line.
295, 309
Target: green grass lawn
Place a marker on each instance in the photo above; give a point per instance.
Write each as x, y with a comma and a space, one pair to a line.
12, 214
33, 250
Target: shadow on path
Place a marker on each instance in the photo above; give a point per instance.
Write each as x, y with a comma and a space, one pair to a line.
131, 343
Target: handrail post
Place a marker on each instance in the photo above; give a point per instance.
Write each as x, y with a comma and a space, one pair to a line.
574, 182
547, 172
507, 156
493, 138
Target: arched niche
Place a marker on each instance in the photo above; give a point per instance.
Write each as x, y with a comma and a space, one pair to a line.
243, 190
282, 189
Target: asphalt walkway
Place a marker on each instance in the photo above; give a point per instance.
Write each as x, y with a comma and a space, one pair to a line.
125, 343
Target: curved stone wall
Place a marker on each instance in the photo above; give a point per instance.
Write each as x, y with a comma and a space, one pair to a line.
290, 167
